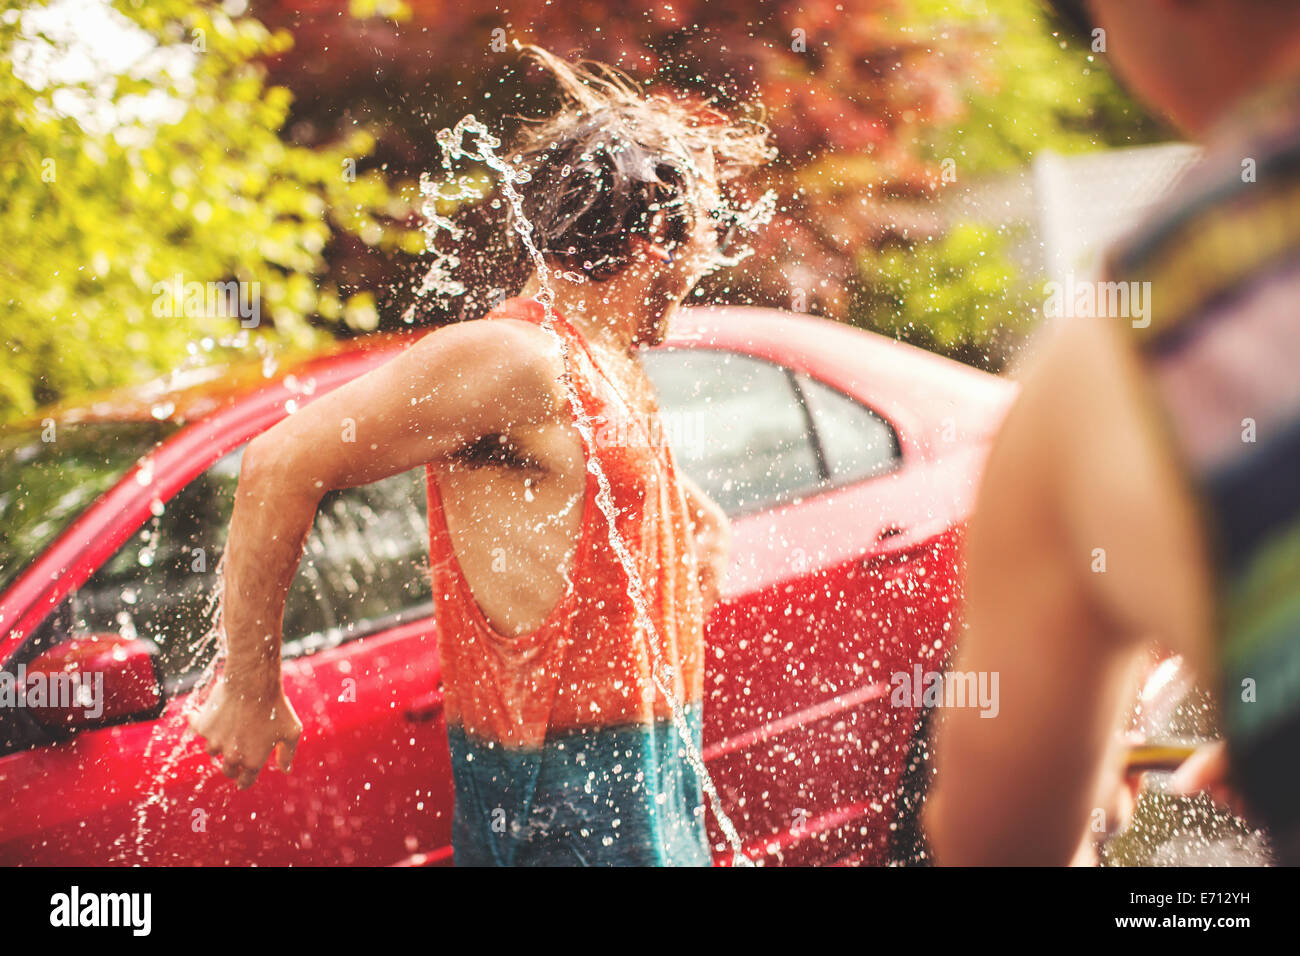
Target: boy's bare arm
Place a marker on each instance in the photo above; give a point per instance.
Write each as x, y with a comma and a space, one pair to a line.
450, 388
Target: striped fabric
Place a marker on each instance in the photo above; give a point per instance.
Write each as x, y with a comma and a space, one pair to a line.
1223, 350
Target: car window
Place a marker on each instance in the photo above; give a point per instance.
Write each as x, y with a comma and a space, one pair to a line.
160, 583
364, 567
736, 426
50, 474
857, 443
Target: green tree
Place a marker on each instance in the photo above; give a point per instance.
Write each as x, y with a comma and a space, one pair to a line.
1022, 87
118, 179
866, 101
1025, 86
959, 294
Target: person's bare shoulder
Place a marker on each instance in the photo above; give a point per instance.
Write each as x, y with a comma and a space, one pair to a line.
1089, 414
514, 365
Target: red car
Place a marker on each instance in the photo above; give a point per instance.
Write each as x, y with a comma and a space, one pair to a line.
846, 461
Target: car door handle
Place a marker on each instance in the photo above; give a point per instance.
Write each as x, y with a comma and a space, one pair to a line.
890, 531
425, 708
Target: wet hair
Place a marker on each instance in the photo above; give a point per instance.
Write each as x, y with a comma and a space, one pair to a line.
612, 158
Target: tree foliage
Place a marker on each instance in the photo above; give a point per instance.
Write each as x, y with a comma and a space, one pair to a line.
866, 100
120, 177
284, 143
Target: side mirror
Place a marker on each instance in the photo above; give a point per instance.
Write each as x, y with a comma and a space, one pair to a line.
93, 680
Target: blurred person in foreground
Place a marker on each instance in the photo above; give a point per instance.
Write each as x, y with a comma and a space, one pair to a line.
563, 744
1171, 443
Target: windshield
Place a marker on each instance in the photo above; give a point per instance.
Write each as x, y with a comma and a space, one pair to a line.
48, 476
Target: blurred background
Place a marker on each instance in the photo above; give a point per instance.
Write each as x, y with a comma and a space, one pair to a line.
938, 162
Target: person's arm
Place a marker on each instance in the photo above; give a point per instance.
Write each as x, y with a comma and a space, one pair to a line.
1016, 787
711, 532
1081, 547
450, 388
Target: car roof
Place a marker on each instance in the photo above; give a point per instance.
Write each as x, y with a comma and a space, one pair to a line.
927, 397
193, 394
890, 375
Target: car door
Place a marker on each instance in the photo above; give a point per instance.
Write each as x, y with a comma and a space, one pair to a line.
371, 780
829, 555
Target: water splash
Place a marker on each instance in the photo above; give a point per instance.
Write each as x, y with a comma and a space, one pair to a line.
440, 278
211, 644
483, 150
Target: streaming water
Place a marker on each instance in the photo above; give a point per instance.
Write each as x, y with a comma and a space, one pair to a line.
483, 149
440, 280
210, 645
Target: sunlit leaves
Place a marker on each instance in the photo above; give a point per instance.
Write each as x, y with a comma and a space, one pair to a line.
954, 293
94, 220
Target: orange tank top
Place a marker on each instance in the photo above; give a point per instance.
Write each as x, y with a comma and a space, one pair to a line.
571, 708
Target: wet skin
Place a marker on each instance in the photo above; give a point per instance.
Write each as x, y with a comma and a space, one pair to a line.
483, 403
